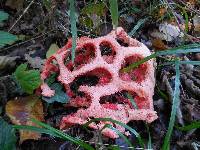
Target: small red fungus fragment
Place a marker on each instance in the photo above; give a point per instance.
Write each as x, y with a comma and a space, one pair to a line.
96, 85
110, 106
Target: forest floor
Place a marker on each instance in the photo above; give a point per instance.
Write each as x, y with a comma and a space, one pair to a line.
43, 25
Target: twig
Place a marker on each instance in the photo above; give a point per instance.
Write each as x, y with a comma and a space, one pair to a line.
17, 44
21, 15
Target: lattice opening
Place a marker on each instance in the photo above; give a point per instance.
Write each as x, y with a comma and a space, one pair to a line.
84, 55
122, 42
107, 51
111, 101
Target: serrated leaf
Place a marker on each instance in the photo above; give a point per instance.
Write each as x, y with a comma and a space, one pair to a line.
21, 110
7, 38
3, 16
52, 50
60, 95
29, 80
7, 136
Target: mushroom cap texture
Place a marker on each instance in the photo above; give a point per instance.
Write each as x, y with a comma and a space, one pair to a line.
104, 57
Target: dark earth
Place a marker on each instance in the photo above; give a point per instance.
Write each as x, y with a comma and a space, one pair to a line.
42, 25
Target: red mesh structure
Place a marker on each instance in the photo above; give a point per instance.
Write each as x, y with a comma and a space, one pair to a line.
101, 60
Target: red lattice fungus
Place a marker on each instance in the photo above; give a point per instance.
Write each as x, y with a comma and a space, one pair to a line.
95, 84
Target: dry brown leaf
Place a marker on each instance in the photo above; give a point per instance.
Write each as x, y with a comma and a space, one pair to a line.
21, 110
158, 44
15, 4
196, 21
162, 12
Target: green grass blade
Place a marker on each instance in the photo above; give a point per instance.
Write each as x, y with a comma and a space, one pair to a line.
183, 49
119, 133
136, 64
140, 140
193, 125
132, 101
186, 21
146, 125
63, 135
73, 27
183, 62
114, 12
190, 62
149, 136
35, 129
137, 26
175, 105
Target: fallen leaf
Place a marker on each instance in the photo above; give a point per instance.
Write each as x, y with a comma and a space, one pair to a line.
196, 21
167, 32
6, 61
52, 49
8, 138
21, 110
35, 62
162, 12
158, 44
171, 31
15, 4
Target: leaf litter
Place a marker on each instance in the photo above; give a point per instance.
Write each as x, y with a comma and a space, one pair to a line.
161, 34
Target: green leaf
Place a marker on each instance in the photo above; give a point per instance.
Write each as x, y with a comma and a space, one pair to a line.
7, 38
73, 27
60, 95
175, 105
114, 12
29, 80
7, 136
3, 16
52, 50
193, 125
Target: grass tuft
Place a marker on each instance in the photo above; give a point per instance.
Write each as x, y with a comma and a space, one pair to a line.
140, 140
114, 12
73, 27
175, 105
